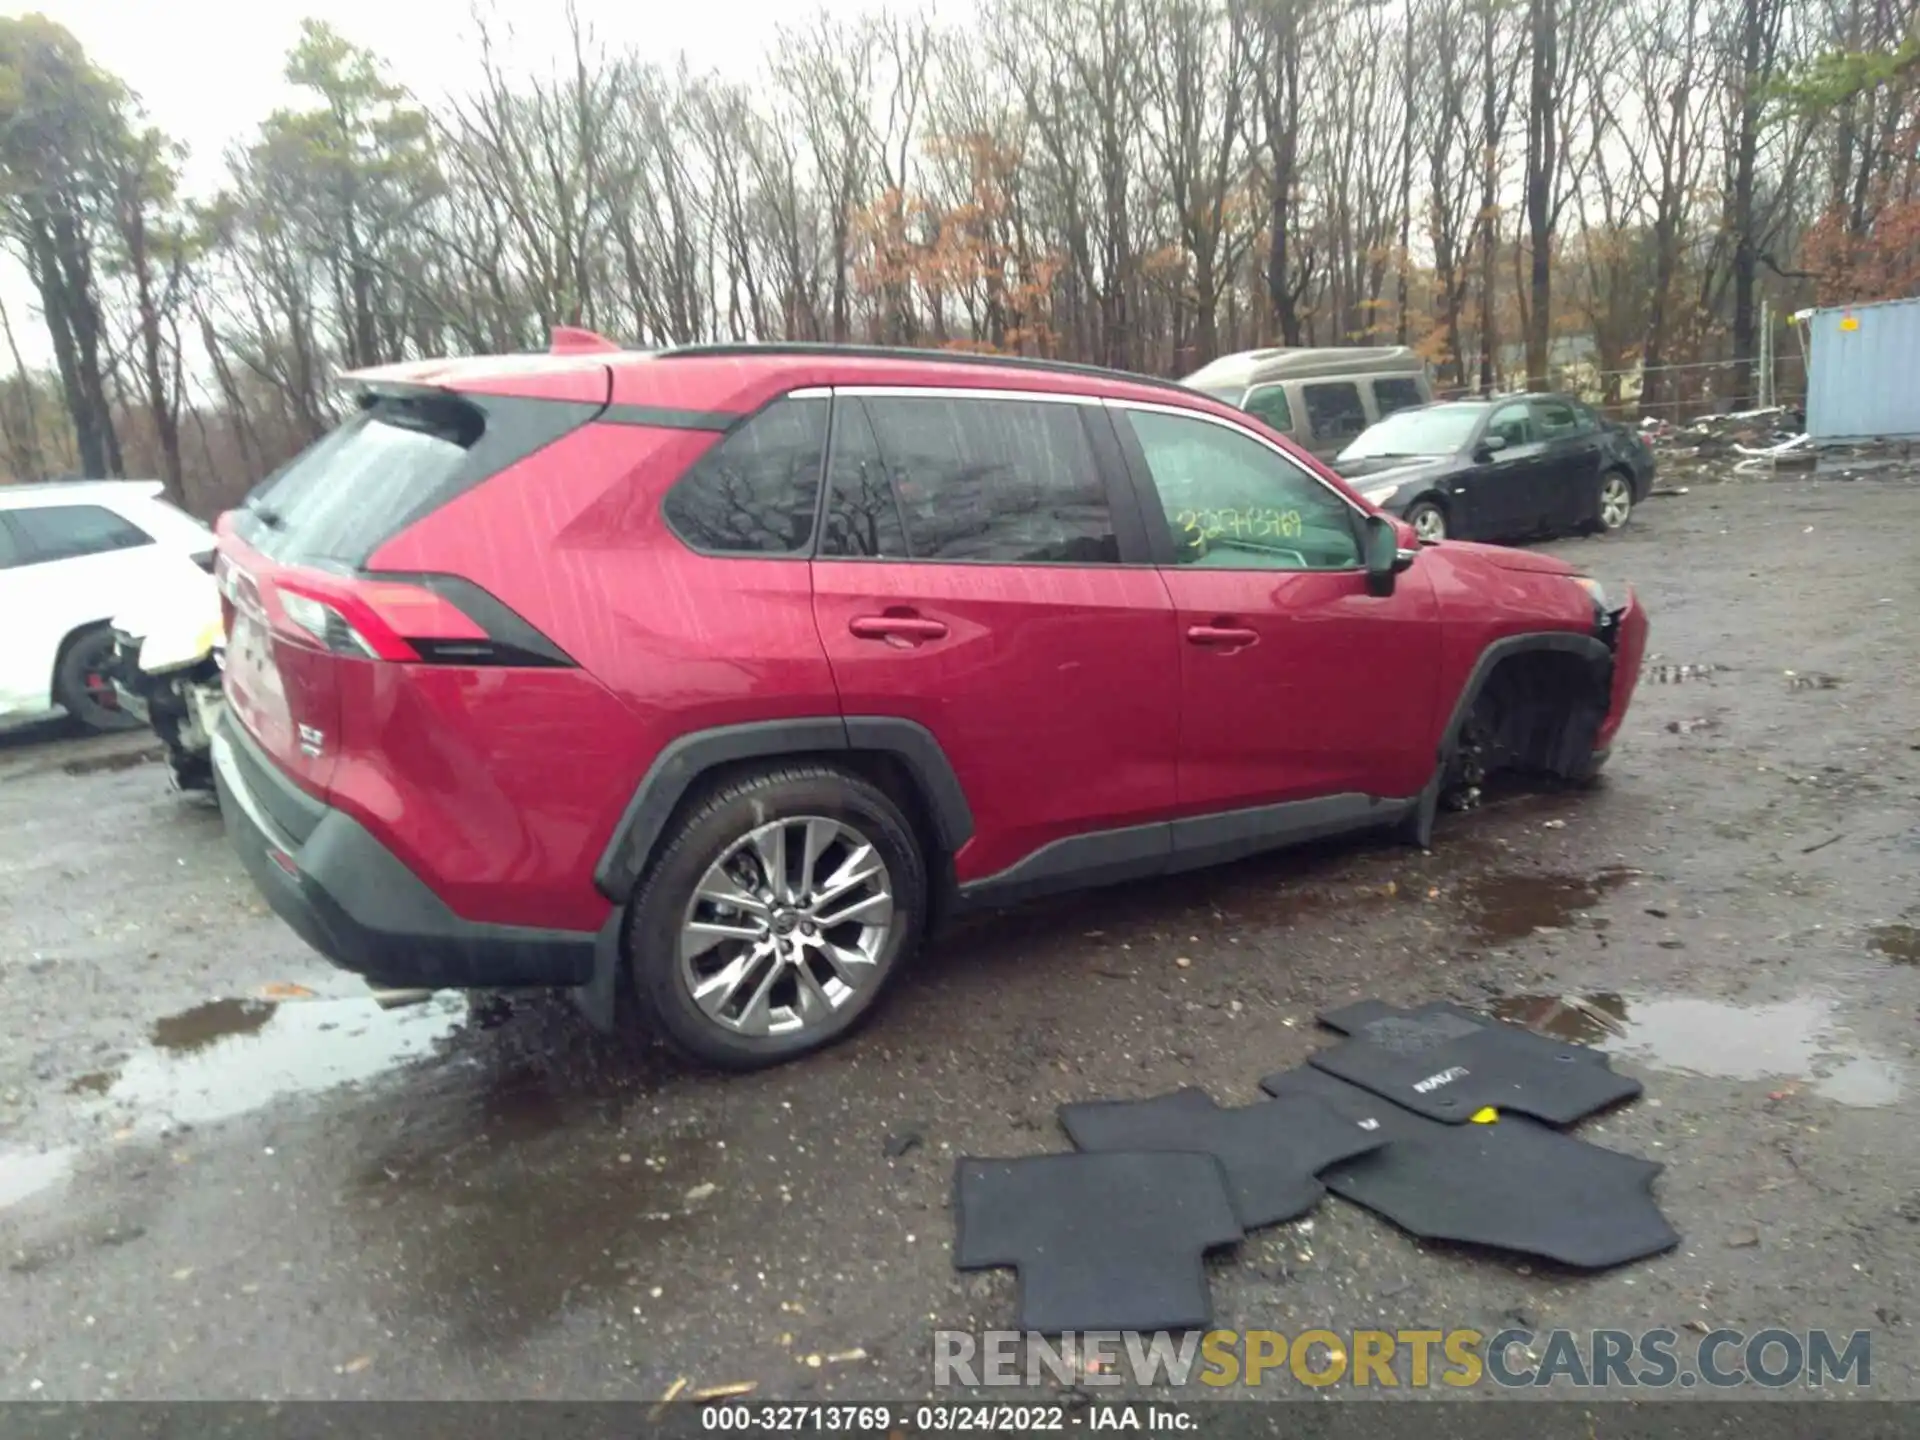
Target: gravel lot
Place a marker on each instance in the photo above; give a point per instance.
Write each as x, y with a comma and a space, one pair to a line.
225, 1173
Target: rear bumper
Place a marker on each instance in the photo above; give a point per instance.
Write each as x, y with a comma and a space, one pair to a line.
354, 901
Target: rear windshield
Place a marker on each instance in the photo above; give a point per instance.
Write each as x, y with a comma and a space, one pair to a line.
397, 460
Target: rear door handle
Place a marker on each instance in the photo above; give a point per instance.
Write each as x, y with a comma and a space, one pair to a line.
896, 627
1221, 635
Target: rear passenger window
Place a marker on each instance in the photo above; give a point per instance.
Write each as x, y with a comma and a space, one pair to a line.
1334, 410
755, 492
1270, 406
1395, 392
1010, 481
863, 518
66, 532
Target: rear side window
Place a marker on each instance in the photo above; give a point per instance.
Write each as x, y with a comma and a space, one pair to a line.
755, 492
1270, 406
1007, 481
1394, 392
1334, 409
67, 532
863, 517
399, 459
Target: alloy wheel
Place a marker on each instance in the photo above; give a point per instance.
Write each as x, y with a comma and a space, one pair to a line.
787, 927
1616, 502
1430, 525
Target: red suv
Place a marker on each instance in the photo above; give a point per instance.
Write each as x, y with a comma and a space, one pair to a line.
724, 669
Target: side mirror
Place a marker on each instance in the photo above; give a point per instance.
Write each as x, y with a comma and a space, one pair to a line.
1386, 555
1489, 447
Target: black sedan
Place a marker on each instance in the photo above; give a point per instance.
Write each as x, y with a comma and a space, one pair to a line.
1508, 468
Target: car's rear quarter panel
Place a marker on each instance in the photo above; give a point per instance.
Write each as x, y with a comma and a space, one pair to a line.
668, 641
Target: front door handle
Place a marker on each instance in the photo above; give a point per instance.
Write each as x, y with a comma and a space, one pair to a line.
1224, 636
907, 628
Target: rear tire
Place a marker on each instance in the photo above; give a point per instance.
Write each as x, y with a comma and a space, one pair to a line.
81, 683
778, 972
1614, 506
1428, 519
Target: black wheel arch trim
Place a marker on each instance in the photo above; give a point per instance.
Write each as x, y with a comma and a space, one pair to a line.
1572, 642
681, 764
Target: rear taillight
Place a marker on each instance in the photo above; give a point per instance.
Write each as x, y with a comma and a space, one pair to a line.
328, 626
433, 620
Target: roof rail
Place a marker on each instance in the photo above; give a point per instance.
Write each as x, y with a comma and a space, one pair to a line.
573, 340
908, 352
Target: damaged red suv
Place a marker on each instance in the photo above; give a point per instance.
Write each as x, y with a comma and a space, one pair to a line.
719, 671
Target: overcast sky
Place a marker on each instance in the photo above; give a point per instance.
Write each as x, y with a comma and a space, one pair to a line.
208, 71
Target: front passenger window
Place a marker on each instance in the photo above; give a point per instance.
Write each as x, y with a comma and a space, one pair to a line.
1512, 425
1556, 419
1234, 504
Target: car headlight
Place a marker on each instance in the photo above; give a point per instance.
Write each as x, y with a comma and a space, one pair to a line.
1380, 494
1603, 619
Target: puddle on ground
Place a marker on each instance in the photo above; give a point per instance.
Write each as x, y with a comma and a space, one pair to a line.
487, 1160
28, 1172
1813, 680
1510, 906
210, 1023
227, 1057
1797, 1039
1899, 943
1680, 674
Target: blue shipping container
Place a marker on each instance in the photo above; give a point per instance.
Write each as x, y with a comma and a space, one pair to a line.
1863, 380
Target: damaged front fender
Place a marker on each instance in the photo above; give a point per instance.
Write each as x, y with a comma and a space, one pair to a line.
1534, 704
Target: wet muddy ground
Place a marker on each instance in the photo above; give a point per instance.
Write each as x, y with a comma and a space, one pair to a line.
225, 1172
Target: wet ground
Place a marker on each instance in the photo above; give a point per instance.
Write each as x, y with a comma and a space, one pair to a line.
225, 1172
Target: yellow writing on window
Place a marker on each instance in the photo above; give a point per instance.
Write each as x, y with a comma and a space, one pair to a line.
1254, 523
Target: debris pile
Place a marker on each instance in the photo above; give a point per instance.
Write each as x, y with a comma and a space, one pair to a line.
1696, 444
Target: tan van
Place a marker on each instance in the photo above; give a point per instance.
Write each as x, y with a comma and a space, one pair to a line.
1319, 398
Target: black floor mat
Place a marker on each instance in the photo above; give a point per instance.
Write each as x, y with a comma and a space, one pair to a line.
1512, 1184
1271, 1151
1448, 1064
1102, 1242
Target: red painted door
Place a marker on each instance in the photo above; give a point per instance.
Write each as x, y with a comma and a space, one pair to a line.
1295, 682
970, 579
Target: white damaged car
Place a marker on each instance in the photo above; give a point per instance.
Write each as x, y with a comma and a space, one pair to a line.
168, 653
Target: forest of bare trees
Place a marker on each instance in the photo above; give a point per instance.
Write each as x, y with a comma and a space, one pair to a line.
1513, 186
